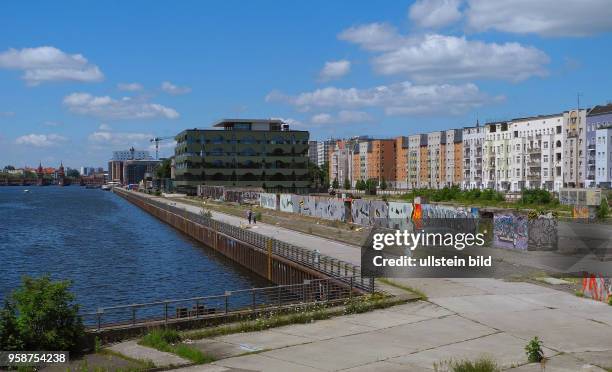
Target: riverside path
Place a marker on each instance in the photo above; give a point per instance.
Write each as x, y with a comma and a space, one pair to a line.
461, 319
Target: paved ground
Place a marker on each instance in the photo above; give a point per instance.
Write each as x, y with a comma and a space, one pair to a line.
463, 318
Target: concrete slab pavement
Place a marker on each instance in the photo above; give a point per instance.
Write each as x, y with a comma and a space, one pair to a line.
159, 358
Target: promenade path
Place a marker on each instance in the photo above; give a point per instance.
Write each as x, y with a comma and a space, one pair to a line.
462, 319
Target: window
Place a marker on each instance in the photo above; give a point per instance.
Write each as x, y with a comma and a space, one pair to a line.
545, 144
545, 158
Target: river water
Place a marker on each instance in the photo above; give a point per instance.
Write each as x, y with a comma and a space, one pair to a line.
114, 252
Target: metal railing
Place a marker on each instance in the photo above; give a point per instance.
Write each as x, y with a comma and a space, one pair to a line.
327, 265
239, 302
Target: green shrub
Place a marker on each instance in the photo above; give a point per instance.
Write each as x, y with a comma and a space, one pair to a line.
534, 351
41, 315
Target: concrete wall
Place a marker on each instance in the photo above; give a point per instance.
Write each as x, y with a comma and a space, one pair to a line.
286, 203
268, 200
330, 208
510, 231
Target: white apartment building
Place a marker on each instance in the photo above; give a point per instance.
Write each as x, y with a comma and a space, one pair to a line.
574, 148
131, 154
324, 149
473, 140
341, 165
453, 143
436, 149
496, 156
603, 157
415, 142
536, 151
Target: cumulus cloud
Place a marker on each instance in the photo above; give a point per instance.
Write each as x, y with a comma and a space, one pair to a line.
343, 117
435, 13
101, 137
110, 108
334, 70
543, 17
175, 90
130, 87
41, 140
434, 57
105, 127
44, 64
395, 99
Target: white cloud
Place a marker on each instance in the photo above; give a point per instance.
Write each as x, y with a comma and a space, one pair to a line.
543, 17
119, 138
292, 122
334, 70
40, 140
434, 13
47, 63
130, 87
110, 108
170, 88
343, 117
395, 99
105, 127
434, 57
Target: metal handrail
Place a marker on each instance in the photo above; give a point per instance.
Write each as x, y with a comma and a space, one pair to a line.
325, 264
317, 291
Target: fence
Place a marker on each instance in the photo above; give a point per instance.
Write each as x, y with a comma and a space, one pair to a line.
240, 302
329, 266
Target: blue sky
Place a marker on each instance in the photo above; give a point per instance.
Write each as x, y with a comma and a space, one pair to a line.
80, 79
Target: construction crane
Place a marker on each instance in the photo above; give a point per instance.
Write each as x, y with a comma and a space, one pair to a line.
157, 140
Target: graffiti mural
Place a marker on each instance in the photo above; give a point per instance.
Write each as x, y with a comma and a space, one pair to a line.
400, 215
304, 205
379, 213
543, 233
597, 287
580, 212
510, 231
212, 192
330, 208
286, 204
267, 200
360, 212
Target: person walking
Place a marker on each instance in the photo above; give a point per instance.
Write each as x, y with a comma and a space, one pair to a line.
254, 219
249, 216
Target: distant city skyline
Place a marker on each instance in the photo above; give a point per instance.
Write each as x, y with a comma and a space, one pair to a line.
89, 80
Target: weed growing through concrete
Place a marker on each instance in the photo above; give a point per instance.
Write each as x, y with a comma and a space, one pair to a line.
534, 351
483, 364
168, 340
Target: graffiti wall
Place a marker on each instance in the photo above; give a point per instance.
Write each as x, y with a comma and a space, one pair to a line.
267, 200
400, 215
212, 192
360, 212
286, 203
580, 212
444, 211
543, 233
510, 231
379, 213
304, 205
329, 208
597, 287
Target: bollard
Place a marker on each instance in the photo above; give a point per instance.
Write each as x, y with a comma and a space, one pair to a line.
166, 312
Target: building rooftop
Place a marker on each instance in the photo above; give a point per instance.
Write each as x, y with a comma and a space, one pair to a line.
601, 110
223, 122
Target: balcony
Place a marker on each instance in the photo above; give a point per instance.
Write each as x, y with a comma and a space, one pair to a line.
534, 150
533, 176
534, 164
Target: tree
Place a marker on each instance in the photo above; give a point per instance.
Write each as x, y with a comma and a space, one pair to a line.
603, 210
335, 184
347, 184
360, 185
73, 173
163, 170
383, 184
9, 335
46, 316
9, 167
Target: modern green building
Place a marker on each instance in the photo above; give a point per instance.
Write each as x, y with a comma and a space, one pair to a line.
242, 153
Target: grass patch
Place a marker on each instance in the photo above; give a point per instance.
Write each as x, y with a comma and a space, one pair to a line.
421, 294
144, 363
168, 340
579, 293
302, 315
483, 364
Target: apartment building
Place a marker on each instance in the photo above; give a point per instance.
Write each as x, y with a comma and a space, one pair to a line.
324, 149
496, 156
598, 117
453, 161
436, 159
313, 154
244, 153
415, 143
603, 162
536, 149
473, 140
341, 165
381, 160
401, 162
574, 148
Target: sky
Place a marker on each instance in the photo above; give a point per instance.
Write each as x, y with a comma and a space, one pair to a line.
81, 79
